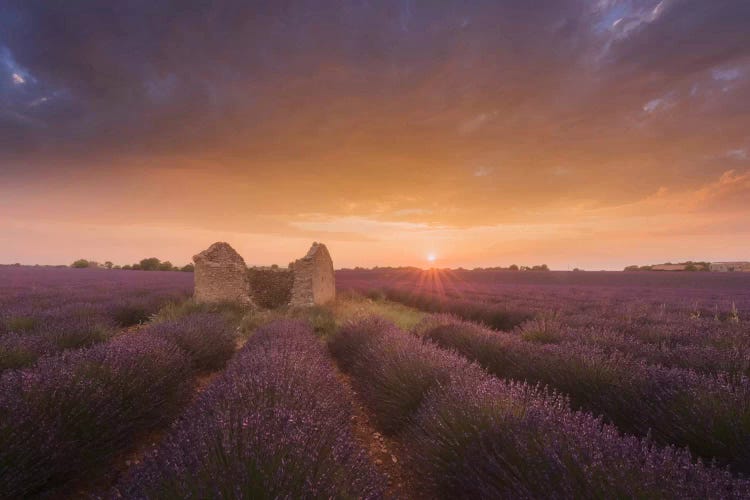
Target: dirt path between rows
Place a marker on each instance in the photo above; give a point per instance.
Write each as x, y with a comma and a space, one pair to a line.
385, 452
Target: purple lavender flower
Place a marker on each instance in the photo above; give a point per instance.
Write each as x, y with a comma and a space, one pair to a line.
276, 424
207, 338
71, 413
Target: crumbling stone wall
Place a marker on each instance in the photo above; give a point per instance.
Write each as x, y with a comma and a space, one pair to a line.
220, 275
314, 281
270, 288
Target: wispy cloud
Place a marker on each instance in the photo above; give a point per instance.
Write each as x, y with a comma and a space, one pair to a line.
726, 75
483, 171
476, 122
737, 154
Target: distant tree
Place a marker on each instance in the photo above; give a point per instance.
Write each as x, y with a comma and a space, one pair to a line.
164, 266
137, 267
274, 266
150, 264
80, 264
632, 268
116, 267
187, 268
542, 267
691, 267
127, 267
513, 267
576, 270
108, 265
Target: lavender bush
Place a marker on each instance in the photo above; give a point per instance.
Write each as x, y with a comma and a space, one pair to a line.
17, 351
729, 356
274, 425
392, 373
475, 436
207, 338
480, 437
70, 414
710, 415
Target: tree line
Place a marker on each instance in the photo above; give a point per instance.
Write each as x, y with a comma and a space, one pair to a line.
149, 264
689, 266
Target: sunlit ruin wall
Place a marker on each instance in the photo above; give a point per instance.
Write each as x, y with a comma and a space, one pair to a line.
314, 281
222, 276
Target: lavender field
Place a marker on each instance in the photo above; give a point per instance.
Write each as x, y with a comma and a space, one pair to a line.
506, 385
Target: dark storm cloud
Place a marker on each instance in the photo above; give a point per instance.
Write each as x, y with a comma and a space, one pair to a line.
143, 72
304, 77
678, 38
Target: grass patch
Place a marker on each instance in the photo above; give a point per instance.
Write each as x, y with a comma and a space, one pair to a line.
21, 324
232, 312
352, 307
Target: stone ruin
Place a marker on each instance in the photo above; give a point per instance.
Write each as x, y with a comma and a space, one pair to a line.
314, 281
221, 275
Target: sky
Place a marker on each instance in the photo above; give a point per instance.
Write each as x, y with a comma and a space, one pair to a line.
576, 133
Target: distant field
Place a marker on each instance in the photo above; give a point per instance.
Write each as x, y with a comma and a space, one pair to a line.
48, 310
504, 299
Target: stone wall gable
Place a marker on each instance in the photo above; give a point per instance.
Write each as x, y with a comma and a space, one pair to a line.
314, 280
220, 275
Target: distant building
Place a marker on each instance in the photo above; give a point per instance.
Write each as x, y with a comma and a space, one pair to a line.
729, 267
669, 267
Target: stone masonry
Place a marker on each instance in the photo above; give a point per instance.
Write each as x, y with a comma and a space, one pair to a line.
221, 275
314, 281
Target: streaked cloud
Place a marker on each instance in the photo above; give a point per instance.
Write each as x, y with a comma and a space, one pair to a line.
738, 154
483, 171
726, 75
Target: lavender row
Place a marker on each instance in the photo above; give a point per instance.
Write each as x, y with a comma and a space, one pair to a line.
676, 336
658, 323
276, 424
47, 311
692, 309
30, 335
471, 435
70, 316
70, 414
709, 414
32, 299
722, 355
702, 344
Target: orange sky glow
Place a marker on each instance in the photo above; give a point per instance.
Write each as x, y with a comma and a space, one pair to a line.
592, 134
